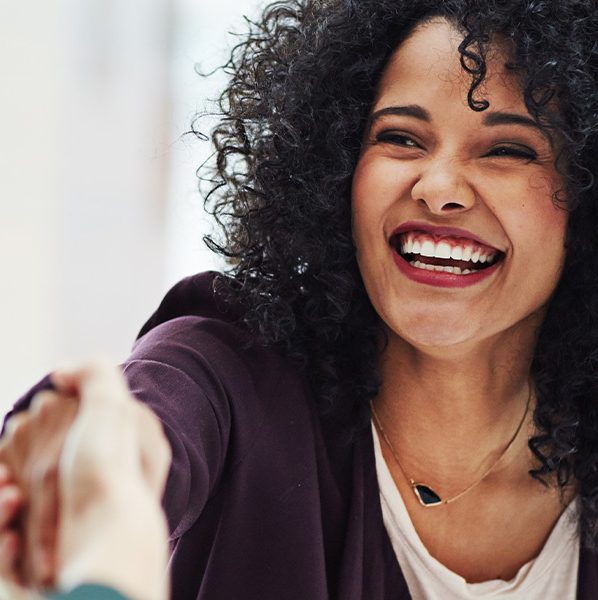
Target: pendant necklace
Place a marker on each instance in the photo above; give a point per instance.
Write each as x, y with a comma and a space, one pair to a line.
426, 496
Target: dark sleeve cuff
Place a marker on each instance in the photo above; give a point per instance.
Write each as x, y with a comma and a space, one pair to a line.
89, 592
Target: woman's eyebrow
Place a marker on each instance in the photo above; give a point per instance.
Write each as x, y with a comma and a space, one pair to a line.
419, 112
410, 110
505, 118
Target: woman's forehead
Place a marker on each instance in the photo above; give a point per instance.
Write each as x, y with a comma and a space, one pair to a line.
428, 63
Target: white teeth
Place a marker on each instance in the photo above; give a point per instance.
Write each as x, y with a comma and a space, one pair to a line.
457, 253
426, 267
427, 248
487, 258
443, 250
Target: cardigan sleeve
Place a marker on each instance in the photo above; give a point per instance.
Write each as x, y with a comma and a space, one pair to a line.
170, 370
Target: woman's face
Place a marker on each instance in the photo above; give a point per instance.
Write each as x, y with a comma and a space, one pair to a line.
441, 190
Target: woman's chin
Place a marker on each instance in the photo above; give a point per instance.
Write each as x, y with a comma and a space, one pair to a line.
431, 332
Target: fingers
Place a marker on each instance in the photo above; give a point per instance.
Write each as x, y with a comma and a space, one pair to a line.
43, 518
11, 505
10, 547
52, 417
14, 425
91, 381
32, 448
11, 502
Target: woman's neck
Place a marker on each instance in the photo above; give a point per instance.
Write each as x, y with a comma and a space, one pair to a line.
450, 413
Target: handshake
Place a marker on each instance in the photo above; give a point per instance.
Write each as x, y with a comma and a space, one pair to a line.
82, 473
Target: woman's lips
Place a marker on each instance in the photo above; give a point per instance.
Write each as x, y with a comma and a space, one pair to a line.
443, 256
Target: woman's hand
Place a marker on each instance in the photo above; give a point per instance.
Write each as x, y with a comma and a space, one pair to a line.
113, 470
31, 449
91, 504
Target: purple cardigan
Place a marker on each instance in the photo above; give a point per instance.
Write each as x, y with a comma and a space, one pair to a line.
263, 499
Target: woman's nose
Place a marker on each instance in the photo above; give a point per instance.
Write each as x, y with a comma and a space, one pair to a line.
443, 188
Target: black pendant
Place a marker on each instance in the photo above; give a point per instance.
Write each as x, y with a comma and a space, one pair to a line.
425, 495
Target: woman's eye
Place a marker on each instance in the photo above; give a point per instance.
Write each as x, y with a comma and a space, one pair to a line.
398, 139
513, 152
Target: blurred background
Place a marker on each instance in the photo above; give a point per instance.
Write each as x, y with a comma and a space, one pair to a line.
99, 208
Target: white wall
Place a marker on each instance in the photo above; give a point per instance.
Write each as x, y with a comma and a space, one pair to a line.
202, 42
99, 212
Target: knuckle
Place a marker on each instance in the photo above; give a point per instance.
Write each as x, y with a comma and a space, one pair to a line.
45, 475
43, 402
18, 425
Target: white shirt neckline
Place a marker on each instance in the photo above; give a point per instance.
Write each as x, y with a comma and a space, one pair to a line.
416, 562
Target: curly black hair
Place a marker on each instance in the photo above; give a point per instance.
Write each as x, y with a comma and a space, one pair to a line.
302, 82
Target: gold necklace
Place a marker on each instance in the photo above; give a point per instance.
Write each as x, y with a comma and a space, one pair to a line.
424, 493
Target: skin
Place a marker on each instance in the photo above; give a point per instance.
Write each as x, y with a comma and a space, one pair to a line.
90, 465
456, 368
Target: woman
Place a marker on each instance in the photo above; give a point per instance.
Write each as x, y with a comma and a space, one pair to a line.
390, 393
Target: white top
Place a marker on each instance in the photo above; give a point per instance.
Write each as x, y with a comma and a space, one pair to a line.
552, 574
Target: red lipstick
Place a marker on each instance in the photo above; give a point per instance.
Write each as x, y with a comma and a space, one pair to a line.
444, 279
440, 278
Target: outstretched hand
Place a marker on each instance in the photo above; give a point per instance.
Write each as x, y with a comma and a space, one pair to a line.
86, 468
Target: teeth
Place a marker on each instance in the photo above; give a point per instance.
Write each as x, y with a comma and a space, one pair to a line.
457, 253
487, 258
410, 244
443, 250
426, 267
427, 248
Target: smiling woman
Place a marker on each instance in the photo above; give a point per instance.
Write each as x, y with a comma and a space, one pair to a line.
433, 163
391, 393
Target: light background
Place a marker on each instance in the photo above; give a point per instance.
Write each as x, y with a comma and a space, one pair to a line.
99, 209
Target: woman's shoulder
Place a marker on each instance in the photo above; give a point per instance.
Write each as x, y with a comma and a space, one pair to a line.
194, 319
193, 296
195, 333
